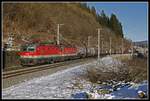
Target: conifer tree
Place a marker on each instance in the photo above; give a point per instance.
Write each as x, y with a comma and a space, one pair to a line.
93, 10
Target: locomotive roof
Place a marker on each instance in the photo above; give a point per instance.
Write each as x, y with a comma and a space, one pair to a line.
61, 45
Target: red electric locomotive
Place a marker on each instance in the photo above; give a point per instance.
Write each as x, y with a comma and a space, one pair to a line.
38, 54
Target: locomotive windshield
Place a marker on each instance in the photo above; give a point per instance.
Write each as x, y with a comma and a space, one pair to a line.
28, 48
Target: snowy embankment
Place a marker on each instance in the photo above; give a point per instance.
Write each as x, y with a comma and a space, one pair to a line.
66, 83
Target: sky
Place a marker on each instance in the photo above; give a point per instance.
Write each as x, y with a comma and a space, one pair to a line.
132, 15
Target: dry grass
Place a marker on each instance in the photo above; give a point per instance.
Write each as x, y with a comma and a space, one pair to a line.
94, 75
133, 70
138, 69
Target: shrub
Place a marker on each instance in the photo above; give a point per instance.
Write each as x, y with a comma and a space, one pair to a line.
132, 70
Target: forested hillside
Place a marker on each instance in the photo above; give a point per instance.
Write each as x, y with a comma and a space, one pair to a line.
38, 21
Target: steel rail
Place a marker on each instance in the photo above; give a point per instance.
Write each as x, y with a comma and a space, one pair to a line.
13, 73
17, 72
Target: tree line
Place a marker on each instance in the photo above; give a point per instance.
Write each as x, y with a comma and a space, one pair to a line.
113, 23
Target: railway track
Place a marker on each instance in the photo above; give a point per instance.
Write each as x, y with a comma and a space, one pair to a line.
12, 73
18, 72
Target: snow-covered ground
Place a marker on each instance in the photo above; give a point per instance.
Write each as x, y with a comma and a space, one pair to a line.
64, 84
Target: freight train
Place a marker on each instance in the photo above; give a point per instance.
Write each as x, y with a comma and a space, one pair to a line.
32, 54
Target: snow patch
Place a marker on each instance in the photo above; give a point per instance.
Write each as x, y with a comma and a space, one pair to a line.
51, 86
